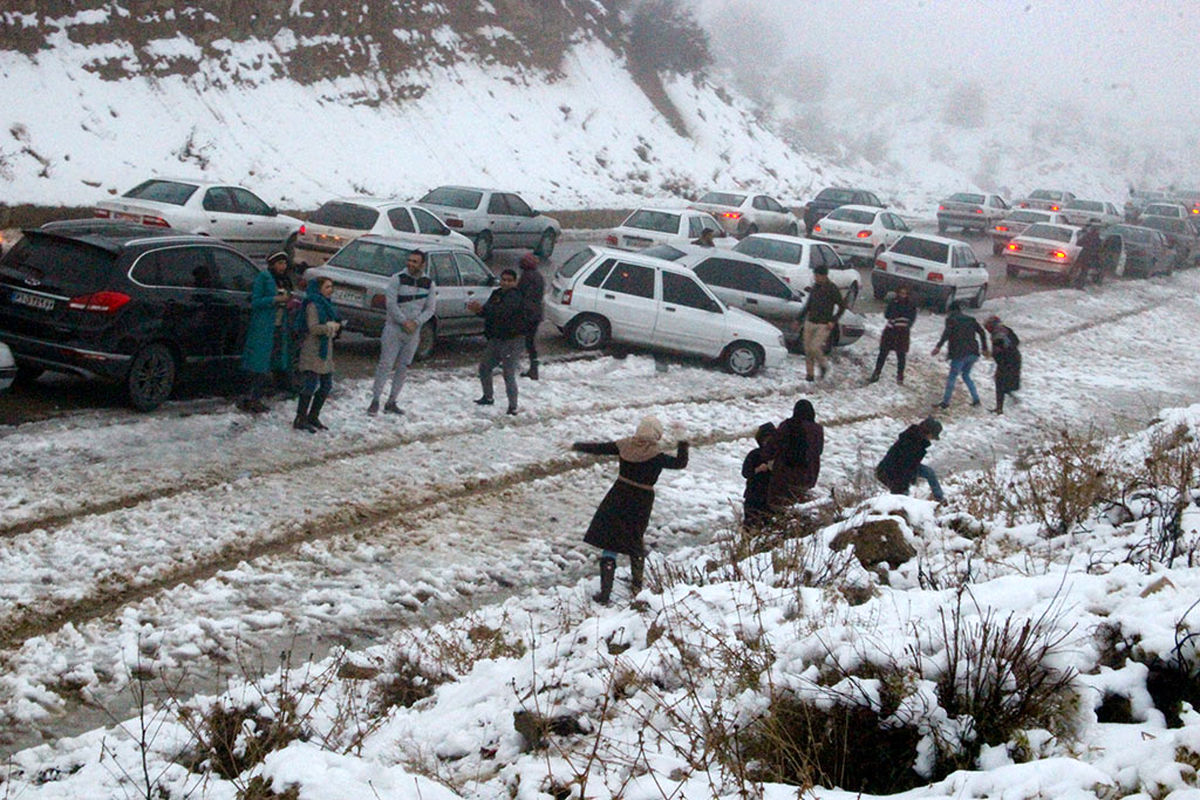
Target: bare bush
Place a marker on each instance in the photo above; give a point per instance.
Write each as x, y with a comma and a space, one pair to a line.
1068, 479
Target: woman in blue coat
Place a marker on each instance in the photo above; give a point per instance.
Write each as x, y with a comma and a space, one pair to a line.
266, 346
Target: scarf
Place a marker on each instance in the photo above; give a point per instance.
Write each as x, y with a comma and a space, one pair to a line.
643, 445
325, 312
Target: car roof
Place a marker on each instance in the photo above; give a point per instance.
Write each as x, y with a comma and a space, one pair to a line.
407, 243
661, 210
471, 188
643, 260
193, 181
114, 236
373, 202
1054, 225
783, 237
935, 238
743, 192
695, 253
856, 207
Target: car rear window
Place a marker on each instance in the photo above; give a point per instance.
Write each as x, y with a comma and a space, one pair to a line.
1166, 224
467, 199
965, 197
855, 215
663, 251
60, 266
658, 221
1044, 194
352, 216
1029, 216
163, 192
771, 249
723, 199
836, 195
926, 249
1086, 205
1053, 233
371, 257
576, 262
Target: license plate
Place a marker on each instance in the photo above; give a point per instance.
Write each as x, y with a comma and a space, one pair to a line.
634, 241
125, 215
903, 270
349, 297
33, 301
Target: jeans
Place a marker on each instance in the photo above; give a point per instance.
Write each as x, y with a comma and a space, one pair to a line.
503, 353
930, 477
961, 366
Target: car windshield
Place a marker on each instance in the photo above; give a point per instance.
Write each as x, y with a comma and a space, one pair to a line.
658, 221
1161, 209
663, 251
345, 215
771, 249
1044, 194
1028, 216
467, 199
573, 264
1085, 205
965, 197
855, 215
723, 199
171, 192
372, 257
918, 247
1165, 224
837, 195
1053, 233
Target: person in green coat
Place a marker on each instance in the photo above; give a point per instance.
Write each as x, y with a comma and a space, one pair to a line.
266, 348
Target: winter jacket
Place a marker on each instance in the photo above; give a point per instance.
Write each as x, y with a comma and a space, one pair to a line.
755, 496
1007, 354
310, 350
410, 299
965, 335
532, 287
504, 314
823, 298
621, 519
900, 316
898, 469
260, 335
795, 455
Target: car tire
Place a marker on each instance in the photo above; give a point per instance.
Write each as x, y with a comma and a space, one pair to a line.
851, 296
947, 301
483, 245
1011, 271
151, 377
980, 297
792, 230
588, 332
426, 341
545, 245
743, 358
997, 248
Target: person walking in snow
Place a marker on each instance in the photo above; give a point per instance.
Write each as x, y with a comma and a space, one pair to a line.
757, 473
411, 299
822, 312
1007, 354
321, 327
266, 348
503, 325
902, 464
533, 287
794, 455
619, 523
901, 313
966, 338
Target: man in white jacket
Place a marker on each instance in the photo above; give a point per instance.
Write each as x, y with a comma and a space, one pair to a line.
411, 300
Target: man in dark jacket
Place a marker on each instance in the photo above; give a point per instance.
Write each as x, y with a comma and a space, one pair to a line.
966, 337
821, 314
503, 326
902, 465
532, 287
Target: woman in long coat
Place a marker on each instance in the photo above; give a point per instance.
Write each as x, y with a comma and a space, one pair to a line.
794, 453
1006, 351
266, 347
321, 325
620, 522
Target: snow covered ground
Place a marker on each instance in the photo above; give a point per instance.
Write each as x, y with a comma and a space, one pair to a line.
194, 541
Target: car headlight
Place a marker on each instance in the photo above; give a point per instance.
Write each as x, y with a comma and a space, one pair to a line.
781, 342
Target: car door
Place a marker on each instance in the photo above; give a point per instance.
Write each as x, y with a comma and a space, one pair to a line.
478, 282
689, 319
627, 300
966, 269
451, 299
524, 229
430, 227
401, 221
179, 280
222, 219
499, 220
265, 233
235, 276
894, 228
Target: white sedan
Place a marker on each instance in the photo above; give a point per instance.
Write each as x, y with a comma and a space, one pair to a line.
793, 258
673, 226
1081, 212
934, 268
859, 232
746, 213
971, 211
1044, 248
338, 222
231, 213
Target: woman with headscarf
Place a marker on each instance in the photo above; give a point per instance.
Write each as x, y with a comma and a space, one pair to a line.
1006, 353
321, 325
794, 453
620, 522
266, 347
758, 478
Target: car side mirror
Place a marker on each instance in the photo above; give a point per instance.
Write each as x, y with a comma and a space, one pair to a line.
272, 212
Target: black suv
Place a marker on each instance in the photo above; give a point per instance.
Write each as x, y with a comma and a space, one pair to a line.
123, 303
829, 199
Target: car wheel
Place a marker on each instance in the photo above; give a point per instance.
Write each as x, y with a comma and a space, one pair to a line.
997, 248
545, 245
851, 295
426, 341
588, 332
947, 301
151, 377
792, 230
483, 245
743, 358
1011, 271
980, 297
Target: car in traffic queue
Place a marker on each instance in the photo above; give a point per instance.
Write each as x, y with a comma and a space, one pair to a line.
1138, 199
1189, 199
1182, 237
1046, 199
830, 198
745, 213
971, 211
493, 219
1169, 210
8, 368
934, 268
1016, 221
231, 213
859, 233
650, 226
140, 307
1099, 212
793, 259
1136, 249
360, 272
1044, 248
337, 222
601, 295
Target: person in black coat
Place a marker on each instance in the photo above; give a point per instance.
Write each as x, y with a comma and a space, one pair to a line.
503, 326
901, 313
794, 453
1006, 351
532, 286
757, 473
621, 519
966, 337
902, 465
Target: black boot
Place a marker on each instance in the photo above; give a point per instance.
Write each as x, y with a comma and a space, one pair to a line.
637, 565
608, 568
314, 413
532, 372
301, 421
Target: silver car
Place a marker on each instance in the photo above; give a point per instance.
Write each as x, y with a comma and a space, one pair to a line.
334, 224
360, 272
493, 219
746, 213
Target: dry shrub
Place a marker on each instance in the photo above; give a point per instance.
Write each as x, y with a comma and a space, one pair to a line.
231, 739
1065, 482
408, 681
1164, 485
259, 788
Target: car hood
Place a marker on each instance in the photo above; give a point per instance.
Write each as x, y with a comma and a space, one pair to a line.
743, 323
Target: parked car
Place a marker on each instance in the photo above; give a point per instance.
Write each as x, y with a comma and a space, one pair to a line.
493, 219
1189, 199
971, 211
360, 272
1046, 199
1044, 248
1139, 199
600, 295
829, 199
747, 283
745, 213
231, 213
8, 368
793, 258
339, 221
934, 268
1182, 237
1016, 221
119, 302
649, 226
1128, 249
1081, 212
859, 232
1171, 210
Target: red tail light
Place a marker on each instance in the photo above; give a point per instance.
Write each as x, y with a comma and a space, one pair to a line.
816, 229
864, 234
1024, 205
936, 277
881, 265
1000, 228
1054, 208
611, 239
731, 214
1016, 248
303, 230
977, 210
566, 297
157, 222
941, 208
379, 302
100, 302
454, 223
1058, 254
102, 213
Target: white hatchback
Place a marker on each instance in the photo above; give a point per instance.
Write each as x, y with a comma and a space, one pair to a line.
600, 295
744, 213
935, 268
859, 232
648, 226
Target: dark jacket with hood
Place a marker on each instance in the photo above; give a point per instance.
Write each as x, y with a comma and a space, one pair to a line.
1007, 354
795, 455
898, 469
900, 316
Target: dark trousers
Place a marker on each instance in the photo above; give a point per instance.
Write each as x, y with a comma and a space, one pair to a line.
318, 385
881, 359
531, 345
503, 353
